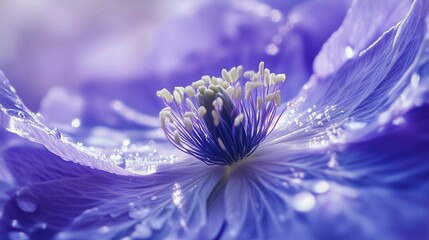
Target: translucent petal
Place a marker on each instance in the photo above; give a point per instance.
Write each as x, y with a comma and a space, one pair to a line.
78, 202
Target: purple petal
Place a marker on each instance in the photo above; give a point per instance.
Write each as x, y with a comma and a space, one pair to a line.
366, 86
365, 22
53, 195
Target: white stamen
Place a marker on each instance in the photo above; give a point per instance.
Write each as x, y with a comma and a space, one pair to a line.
277, 98
213, 88
215, 81
249, 74
206, 79
218, 104
238, 119
267, 79
256, 77
274, 97
225, 85
177, 97
233, 74
239, 70
230, 90
201, 89
181, 90
259, 103
164, 93
279, 78
238, 93
250, 86
261, 68
221, 144
190, 91
202, 111
269, 97
267, 71
225, 75
197, 84
176, 137
166, 109
209, 93
188, 123
271, 80
189, 114
189, 103
215, 118
165, 115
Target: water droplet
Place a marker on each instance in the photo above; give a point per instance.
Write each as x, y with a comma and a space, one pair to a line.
12, 89
272, 49
115, 214
355, 125
303, 202
21, 114
332, 160
118, 159
321, 187
14, 223
43, 225
104, 229
75, 123
26, 200
54, 132
349, 52
18, 236
399, 121
157, 223
320, 123
415, 80
40, 117
126, 143
142, 231
139, 213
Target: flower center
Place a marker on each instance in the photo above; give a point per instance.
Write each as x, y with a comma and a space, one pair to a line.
215, 122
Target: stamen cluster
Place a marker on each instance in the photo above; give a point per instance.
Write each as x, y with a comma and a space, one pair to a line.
214, 121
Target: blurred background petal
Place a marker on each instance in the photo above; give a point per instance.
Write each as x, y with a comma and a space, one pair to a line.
111, 51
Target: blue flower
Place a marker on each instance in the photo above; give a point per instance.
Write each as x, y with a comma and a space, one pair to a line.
348, 158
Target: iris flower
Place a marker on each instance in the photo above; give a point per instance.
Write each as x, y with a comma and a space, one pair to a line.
345, 157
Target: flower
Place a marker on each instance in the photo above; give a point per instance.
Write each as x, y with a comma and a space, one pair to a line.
218, 124
347, 159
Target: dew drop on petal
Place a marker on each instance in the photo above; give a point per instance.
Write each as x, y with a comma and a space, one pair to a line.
104, 229
332, 160
26, 200
355, 125
18, 236
43, 225
75, 123
349, 52
141, 231
399, 121
14, 223
21, 114
303, 202
139, 213
321, 187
